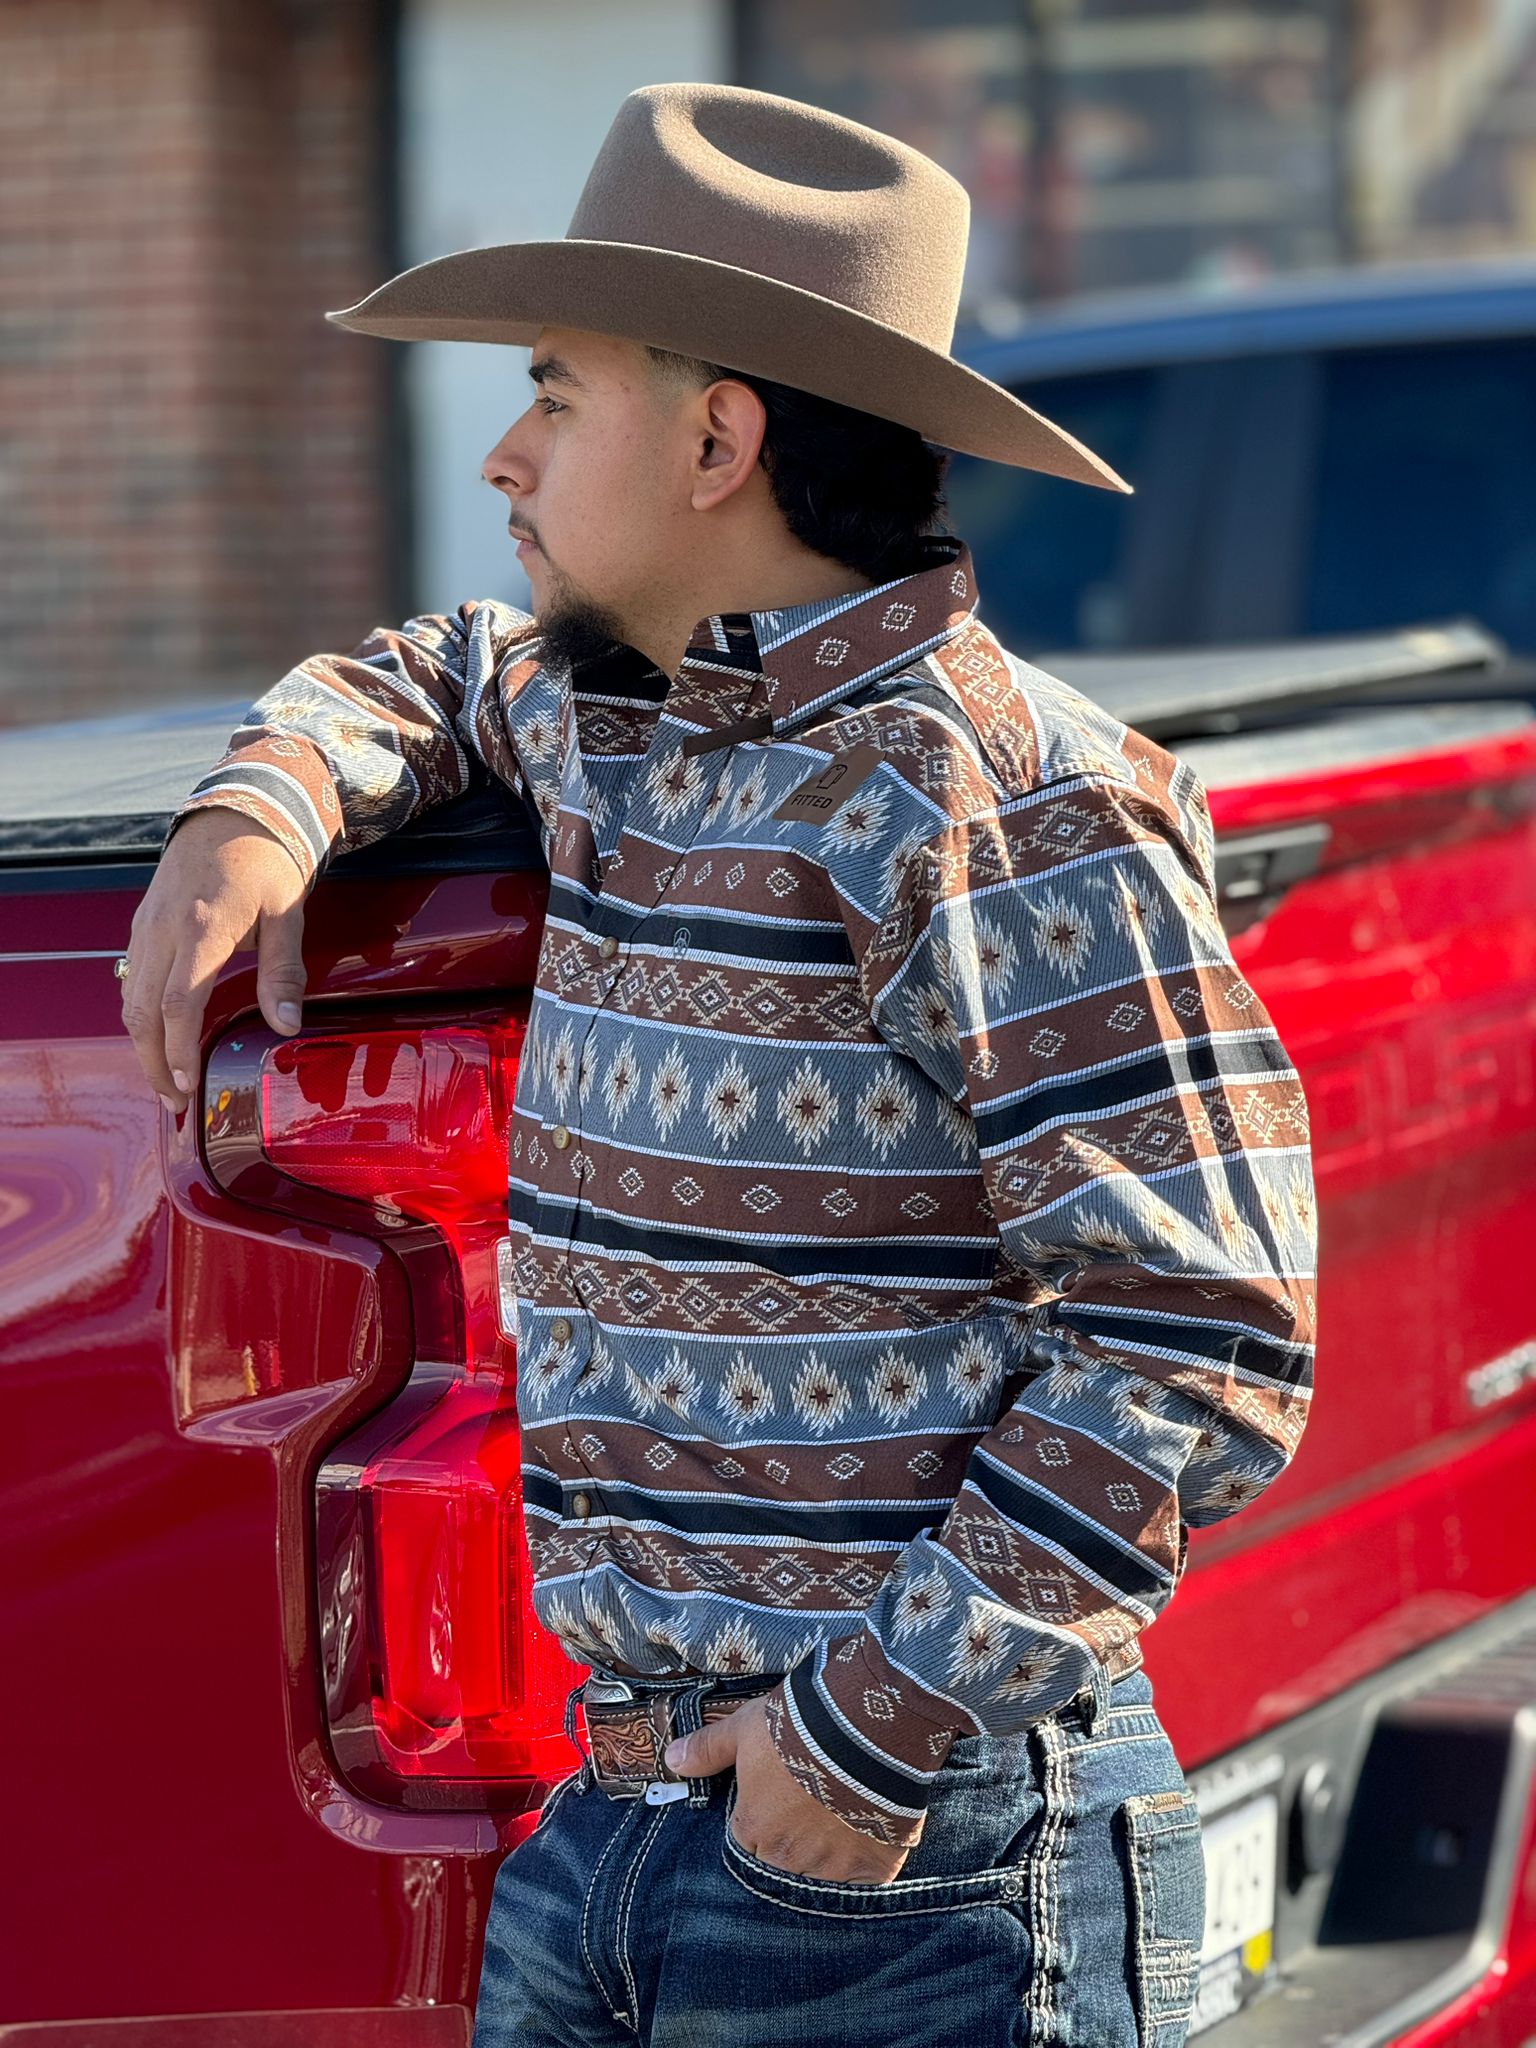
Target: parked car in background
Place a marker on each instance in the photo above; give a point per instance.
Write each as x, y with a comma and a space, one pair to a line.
1337, 452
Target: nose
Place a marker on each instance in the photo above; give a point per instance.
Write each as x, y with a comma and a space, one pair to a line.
509, 468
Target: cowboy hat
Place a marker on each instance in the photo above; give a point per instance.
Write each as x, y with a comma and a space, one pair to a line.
767, 236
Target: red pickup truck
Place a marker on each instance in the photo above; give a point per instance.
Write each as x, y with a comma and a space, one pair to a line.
276, 1703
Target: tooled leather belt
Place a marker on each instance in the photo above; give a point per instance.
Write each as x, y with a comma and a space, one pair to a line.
628, 1729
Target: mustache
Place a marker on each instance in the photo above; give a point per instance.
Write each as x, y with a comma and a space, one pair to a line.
522, 532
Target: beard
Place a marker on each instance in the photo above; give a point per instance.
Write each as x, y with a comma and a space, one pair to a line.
576, 628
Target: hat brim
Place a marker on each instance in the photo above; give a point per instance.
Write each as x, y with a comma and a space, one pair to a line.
695, 306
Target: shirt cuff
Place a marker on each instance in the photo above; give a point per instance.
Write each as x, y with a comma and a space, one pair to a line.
860, 1737
273, 816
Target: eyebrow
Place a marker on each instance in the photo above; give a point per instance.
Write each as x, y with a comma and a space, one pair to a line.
557, 369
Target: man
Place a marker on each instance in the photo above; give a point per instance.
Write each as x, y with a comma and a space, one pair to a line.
910, 1201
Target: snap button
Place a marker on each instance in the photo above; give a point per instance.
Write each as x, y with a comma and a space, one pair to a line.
560, 1329
581, 1503
560, 1137
608, 948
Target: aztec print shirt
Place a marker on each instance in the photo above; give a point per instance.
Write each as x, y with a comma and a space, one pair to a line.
911, 1203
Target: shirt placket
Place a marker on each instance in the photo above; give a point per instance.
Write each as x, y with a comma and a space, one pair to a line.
701, 695
563, 1341
638, 865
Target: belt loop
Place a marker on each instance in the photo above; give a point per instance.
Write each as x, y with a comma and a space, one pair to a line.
685, 1717
1093, 1699
571, 1736
587, 1775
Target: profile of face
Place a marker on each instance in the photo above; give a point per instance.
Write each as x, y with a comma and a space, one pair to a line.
606, 475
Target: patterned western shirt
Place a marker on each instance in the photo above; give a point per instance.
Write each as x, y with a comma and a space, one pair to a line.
911, 1203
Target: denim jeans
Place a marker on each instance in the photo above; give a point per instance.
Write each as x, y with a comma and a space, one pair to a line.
1056, 1896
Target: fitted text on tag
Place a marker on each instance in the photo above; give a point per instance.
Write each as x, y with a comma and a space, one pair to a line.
825, 791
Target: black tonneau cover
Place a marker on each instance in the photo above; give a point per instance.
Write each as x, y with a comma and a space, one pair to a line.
1185, 691
106, 788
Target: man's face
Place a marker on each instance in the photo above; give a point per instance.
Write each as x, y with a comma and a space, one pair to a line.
596, 475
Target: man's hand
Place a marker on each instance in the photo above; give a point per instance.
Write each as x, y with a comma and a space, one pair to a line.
774, 1818
223, 882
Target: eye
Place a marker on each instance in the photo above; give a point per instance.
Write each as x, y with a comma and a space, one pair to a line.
550, 405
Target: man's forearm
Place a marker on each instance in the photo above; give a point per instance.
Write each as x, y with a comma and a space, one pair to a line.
348, 748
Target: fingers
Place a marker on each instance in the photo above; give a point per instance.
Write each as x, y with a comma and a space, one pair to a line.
165, 999
708, 1750
222, 884
144, 1020
280, 977
183, 1002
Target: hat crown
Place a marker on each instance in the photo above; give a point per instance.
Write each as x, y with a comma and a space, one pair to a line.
772, 237
794, 193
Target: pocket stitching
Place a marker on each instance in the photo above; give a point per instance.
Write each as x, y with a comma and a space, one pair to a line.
1167, 1967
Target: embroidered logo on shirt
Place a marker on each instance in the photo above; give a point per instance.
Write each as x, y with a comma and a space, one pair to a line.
822, 793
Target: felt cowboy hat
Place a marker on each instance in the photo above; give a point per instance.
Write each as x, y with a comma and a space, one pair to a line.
767, 236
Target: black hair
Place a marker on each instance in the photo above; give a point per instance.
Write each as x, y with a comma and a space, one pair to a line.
858, 489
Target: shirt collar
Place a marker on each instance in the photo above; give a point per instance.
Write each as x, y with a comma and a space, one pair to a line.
810, 655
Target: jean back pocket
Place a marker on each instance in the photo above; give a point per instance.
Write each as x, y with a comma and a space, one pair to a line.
1165, 1868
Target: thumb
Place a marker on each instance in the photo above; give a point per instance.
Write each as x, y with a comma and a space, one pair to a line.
280, 979
709, 1749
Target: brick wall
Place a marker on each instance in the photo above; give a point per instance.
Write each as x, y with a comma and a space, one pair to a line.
197, 474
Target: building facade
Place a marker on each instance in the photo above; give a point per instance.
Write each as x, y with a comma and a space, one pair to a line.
200, 481
194, 469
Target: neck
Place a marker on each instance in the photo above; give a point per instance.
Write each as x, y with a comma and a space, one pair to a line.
663, 637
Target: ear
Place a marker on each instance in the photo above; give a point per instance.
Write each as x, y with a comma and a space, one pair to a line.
730, 438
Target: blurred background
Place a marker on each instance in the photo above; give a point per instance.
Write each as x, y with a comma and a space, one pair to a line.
1276, 261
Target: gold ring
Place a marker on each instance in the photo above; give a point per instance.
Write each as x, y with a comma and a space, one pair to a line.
120, 966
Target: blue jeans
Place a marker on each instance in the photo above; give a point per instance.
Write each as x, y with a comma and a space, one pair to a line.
1056, 1896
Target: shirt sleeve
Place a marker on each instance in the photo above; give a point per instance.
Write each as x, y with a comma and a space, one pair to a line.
1059, 969
348, 748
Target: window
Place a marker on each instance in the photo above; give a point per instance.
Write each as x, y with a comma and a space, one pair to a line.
1053, 556
1423, 499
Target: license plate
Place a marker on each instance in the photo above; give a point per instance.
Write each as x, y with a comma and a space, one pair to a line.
1241, 1851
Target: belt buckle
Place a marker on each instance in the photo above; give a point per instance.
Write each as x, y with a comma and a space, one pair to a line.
601, 1690
604, 1691
655, 1791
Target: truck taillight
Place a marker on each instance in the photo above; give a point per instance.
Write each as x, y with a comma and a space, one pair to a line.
441, 1687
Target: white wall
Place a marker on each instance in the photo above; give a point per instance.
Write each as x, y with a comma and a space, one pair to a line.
503, 107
